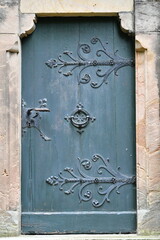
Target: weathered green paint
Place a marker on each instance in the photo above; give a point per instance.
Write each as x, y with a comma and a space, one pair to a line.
45, 209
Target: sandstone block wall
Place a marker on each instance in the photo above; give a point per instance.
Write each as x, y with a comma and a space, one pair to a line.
147, 31
10, 123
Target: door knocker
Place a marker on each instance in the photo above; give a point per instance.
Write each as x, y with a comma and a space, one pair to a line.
79, 118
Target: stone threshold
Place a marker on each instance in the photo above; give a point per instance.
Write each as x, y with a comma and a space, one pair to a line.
84, 237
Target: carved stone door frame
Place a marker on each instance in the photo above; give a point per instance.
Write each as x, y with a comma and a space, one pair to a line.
20, 22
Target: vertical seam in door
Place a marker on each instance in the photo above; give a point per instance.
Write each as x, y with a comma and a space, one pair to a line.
115, 96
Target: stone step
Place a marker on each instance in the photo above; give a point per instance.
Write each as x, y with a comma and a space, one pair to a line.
83, 237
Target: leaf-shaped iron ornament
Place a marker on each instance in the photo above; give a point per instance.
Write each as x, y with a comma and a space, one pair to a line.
113, 60
104, 184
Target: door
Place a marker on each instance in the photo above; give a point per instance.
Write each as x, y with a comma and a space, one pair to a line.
78, 160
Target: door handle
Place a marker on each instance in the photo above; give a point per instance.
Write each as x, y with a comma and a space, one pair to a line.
31, 117
37, 110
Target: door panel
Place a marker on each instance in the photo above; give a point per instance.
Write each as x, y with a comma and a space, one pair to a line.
77, 158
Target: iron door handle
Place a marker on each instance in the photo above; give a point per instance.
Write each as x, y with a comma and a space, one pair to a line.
37, 110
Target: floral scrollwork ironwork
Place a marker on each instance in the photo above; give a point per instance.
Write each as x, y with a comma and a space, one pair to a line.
103, 69
83, 180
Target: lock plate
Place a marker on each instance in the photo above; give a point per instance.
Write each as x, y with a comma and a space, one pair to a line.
31, 117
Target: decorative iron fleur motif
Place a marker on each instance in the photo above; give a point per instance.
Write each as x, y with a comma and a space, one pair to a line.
114, 61
83, 180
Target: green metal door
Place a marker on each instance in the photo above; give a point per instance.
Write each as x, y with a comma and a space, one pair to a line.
78, 175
